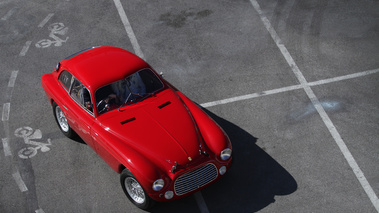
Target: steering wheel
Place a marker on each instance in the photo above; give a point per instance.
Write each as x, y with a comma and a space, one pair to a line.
102, 106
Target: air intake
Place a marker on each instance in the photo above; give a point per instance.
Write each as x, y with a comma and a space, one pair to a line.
128, 120
195, 179
165, 104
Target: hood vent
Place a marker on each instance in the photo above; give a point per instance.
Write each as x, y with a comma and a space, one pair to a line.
128, 120
165, 104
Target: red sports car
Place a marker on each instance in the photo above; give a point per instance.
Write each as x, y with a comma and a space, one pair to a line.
163, 145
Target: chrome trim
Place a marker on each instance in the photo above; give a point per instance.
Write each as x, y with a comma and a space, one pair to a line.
69, 93
57, 67
81, 51
135, 190
195, 179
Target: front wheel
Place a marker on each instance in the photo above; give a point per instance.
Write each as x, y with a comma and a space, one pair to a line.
134, 191
62, 121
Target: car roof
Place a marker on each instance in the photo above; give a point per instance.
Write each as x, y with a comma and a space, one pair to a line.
103, 65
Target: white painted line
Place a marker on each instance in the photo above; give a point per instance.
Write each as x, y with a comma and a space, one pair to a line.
327, 121
250, 96
12, 79
9, 14
7, 149
279, 43
6, 110
128, 29
25, 48
345, 77
19, 181
200, 202
39, 211
289, 88
346, 153
44, 21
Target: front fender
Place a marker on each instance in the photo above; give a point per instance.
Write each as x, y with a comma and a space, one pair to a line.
116, 153
213, 135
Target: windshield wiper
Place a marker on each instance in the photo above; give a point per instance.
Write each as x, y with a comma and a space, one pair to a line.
146, 95
143, 97
126, 101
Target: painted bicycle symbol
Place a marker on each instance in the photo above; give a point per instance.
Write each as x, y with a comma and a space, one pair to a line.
28, 135
55, 29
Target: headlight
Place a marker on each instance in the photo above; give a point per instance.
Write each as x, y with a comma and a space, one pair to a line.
225, 154
158, 184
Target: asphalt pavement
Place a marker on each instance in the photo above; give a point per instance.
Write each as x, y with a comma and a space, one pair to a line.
294, 83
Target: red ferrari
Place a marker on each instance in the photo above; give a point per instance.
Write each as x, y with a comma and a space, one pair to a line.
163, 145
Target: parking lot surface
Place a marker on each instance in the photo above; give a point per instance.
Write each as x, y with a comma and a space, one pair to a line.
293, 83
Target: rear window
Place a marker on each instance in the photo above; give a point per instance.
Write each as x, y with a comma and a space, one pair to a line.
65, 79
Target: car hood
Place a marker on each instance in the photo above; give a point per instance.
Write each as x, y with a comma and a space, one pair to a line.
160, 128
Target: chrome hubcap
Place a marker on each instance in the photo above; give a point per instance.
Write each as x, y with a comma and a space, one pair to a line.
61, 119
135, 190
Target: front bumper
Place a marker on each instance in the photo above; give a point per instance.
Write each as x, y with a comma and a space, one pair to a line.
191, 180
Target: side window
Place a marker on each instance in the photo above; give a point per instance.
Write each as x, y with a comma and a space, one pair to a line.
81, 95
65, 79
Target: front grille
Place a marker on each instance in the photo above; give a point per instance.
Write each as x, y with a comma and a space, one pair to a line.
195, 179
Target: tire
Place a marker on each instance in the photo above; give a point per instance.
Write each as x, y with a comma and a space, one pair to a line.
134, 191
62, 121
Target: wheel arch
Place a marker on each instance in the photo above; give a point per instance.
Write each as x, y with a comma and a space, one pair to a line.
119, 156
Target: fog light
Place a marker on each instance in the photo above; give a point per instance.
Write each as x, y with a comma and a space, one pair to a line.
222, 170
169, 194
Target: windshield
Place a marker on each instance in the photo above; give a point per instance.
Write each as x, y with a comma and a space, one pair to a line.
133, 88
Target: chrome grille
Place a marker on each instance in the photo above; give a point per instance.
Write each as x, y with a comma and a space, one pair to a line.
195, 179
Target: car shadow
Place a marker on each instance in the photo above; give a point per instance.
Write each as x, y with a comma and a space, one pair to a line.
251, 184
78, 139
59, 135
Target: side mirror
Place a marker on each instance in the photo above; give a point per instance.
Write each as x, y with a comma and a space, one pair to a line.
161, 74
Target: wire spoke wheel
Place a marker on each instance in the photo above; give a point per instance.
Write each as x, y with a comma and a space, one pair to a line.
62, 121
135, 190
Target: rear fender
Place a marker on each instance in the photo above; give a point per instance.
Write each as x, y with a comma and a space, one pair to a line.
46, 83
